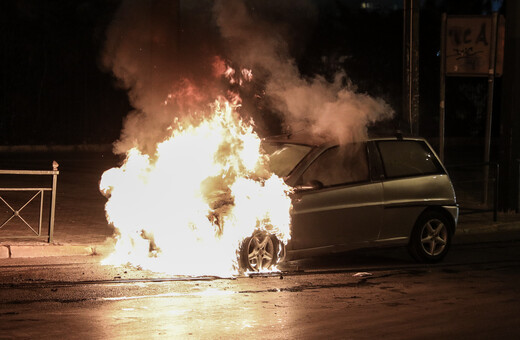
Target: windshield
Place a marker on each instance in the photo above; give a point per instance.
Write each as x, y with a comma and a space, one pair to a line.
283, 157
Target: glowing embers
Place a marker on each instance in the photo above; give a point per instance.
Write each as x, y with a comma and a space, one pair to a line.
186, 209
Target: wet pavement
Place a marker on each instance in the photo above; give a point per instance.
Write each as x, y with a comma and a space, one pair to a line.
471, 295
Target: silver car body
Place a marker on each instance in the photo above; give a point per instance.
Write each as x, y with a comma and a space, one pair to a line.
380, 210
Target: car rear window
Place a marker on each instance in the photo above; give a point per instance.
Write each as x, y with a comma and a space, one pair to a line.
407, 158
339, 165
283, 157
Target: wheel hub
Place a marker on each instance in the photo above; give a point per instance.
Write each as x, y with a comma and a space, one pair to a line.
261, 252
434, 237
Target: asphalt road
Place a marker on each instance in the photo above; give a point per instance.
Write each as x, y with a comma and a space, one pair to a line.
371, 294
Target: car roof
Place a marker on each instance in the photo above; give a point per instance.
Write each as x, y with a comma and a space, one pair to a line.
305, 140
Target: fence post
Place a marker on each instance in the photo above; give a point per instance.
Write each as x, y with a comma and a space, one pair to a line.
55, 166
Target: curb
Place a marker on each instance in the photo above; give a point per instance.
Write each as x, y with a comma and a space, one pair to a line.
485, 229
28, 251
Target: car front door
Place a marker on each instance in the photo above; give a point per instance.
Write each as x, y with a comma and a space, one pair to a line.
344, 206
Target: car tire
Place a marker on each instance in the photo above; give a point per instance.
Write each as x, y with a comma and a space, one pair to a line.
431, 237
259, 252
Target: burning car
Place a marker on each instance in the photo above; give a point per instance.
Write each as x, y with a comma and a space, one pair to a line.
379, 192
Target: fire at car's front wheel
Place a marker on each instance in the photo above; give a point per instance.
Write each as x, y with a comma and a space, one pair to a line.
431, 237
259, 252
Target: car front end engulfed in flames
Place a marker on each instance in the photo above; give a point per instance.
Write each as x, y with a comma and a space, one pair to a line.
187, 208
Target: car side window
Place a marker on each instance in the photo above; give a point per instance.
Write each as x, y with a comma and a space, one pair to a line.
407, 158
338, 165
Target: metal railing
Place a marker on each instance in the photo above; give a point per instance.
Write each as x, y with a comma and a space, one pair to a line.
476, 187
39, 191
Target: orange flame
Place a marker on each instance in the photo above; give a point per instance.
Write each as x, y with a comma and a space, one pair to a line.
186, 209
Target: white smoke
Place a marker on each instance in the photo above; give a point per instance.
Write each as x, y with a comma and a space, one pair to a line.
163, 52
320, 109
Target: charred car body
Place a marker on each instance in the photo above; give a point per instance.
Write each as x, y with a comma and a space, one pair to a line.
379, 192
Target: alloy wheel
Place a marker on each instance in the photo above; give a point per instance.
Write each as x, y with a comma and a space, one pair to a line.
434, 237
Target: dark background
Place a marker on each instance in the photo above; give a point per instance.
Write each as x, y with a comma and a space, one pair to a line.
55, 91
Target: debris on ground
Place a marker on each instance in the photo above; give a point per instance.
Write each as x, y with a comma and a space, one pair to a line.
362, 274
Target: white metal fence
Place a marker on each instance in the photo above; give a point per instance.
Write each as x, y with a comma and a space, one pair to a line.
15, 210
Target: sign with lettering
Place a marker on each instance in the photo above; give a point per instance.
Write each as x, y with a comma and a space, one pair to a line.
468, 46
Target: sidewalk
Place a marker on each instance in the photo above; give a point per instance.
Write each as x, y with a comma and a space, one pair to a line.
81, 227
480, 227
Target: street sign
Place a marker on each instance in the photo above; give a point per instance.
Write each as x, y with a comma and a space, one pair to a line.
468, 46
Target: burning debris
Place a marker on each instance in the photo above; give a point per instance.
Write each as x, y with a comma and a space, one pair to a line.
195, 182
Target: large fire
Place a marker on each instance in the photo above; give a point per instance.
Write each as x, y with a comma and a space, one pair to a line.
186, 209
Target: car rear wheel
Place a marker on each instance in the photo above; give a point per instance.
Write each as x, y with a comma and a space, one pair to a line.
259, 252
431, 237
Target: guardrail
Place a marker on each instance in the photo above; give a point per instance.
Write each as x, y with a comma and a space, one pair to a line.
476, 187
39, 191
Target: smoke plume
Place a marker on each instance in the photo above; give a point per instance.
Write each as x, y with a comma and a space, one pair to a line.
163, 62
168, 55
315, 107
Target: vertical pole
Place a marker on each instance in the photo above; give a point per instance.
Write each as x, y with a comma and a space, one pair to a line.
410, 96
496, 188
53, 200
491, 82
414, 66
489, 113
442, 101
406, 116
41, 213
518, 192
